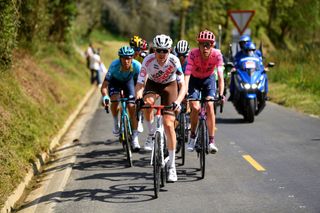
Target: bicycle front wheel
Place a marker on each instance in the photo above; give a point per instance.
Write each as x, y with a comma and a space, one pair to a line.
156, 161
126, 140
202, 144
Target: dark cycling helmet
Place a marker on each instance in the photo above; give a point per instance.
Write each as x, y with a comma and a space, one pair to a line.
182, 47
250, 46
135, 41
125, 51
144, 45
206, 35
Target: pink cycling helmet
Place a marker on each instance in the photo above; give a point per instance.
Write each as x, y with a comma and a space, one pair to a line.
206, 35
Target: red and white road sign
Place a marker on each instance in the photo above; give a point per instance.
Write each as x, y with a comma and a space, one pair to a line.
241, 18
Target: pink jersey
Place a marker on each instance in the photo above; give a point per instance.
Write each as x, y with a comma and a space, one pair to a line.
200, 68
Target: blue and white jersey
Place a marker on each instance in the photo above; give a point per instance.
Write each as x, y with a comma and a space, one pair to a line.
115, 72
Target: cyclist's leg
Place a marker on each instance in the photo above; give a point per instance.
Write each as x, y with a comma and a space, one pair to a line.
194, 105
128, 88
149, 97
129, 92
114, 92
168, 95
209, 91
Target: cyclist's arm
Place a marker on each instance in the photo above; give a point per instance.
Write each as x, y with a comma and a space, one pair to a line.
186, 83
182, 86
220, 80
139, 90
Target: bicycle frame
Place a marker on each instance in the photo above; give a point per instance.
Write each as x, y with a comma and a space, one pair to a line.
202, 140
157, 155
125, 127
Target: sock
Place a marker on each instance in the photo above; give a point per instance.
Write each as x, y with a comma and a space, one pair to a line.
172, 156
135, 133
115, 120
150, 127
211, 139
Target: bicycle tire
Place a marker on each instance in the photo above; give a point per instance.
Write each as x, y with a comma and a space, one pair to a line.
156, 162
164, 176
202, 142
183, 137
126, 140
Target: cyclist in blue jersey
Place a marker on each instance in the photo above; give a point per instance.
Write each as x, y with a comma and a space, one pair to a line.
121, 75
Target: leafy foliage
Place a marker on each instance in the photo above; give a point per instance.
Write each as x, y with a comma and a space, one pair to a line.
8, 30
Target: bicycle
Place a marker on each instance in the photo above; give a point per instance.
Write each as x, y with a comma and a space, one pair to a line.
159, 155
182, 131
125, 136
202, 136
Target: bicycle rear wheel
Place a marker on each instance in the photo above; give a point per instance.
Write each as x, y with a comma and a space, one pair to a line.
202, 144
156, 162
182, 136
127, 140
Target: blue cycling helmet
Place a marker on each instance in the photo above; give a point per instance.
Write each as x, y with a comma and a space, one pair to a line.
250, 46
125, 51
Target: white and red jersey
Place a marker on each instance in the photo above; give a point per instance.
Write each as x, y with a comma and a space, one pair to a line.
170, 71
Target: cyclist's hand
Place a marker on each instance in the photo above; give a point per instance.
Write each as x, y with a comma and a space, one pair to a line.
139, 103
176, 106
105, 100
222, 99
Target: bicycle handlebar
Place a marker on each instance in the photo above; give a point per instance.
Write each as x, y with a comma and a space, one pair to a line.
148, 106
203, 100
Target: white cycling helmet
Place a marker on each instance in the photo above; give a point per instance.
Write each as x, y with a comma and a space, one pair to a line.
162, 42
182, 47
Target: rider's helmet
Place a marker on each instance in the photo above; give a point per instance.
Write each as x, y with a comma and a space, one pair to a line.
182, 48
162, 42
125, 51
144, 45
243, 40
249, 48
206, 35
135, 42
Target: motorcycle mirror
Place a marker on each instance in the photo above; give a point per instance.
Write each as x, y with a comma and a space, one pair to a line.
271, 64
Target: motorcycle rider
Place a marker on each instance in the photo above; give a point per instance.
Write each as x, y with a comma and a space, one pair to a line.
250, 51
241, 54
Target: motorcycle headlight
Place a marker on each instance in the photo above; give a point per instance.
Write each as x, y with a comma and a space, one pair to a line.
254, 86
246, 86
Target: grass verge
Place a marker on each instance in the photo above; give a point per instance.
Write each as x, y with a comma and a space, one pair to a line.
37, 96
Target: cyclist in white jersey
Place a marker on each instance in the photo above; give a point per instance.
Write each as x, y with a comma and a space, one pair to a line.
159, 77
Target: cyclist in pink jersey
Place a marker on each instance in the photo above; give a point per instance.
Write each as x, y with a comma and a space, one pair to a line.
199, 75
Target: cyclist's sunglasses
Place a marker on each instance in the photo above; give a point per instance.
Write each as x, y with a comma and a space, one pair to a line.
182, 54
126, 57
137, 49
205, 44
162, 50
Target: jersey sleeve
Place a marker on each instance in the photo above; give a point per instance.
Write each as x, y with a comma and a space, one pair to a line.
190, 65
143, 73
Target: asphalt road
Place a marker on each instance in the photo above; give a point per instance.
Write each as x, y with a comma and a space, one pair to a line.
271, 165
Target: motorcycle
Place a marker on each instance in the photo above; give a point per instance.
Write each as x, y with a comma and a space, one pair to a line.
250, 86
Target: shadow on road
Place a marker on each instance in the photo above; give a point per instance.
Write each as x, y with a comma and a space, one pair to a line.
230, 121
108, 163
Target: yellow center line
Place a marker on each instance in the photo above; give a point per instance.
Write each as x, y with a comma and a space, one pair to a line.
254, 163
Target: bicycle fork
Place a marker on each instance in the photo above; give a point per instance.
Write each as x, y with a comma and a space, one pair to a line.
159, 129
